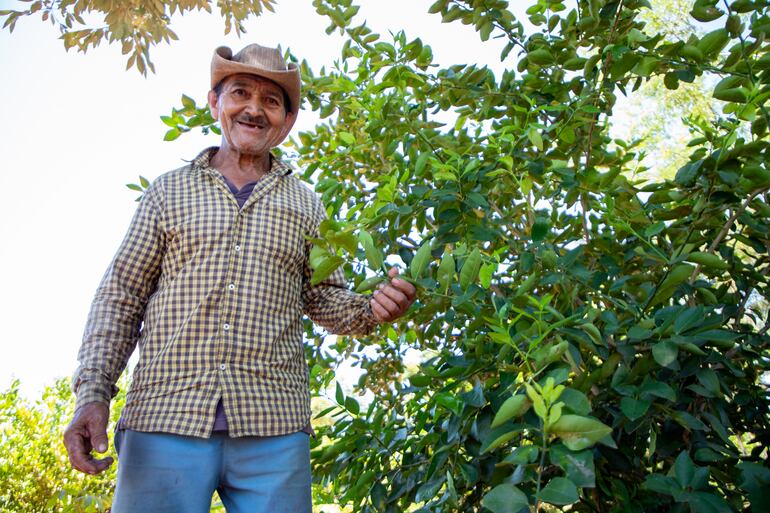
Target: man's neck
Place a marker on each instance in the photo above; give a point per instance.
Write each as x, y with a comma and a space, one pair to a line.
240, 168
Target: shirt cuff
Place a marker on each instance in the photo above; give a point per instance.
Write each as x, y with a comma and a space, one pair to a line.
364, 322
92, 390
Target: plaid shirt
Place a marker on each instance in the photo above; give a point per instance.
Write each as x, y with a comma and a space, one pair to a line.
214, 296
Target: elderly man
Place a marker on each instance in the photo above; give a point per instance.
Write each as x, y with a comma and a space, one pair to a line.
211, 282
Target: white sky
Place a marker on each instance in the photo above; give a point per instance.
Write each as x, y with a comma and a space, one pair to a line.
76, 128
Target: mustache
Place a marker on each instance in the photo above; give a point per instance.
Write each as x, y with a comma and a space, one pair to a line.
252, 120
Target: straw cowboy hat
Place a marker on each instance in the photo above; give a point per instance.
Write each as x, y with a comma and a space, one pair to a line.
261, 61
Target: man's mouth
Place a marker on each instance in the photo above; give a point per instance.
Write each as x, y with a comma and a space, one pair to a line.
251, 123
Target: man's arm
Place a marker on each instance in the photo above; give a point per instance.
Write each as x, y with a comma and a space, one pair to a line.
112, 330
344, 312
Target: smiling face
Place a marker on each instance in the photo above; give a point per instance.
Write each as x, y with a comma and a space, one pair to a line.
252, 112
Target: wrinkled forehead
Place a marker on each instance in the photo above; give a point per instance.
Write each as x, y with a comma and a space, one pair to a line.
252, 81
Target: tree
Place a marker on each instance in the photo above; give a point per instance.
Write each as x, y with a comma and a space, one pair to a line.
591, 339
34, 471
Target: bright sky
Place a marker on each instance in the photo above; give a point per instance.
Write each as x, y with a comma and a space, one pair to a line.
76, 128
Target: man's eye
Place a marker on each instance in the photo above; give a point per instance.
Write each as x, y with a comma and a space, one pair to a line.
272, 100
239, 92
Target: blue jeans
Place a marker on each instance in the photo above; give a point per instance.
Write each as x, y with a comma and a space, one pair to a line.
163, 473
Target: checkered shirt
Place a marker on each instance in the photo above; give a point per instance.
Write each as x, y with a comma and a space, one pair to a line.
213, 295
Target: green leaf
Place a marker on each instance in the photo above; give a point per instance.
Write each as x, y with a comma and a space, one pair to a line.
450, 402
634, 408
352, 405
446, 271
437, 6
704, 502
188, 102
661, 484
470, 270
658, 389
576, 401
578, 432
486, 273
370, 283
505, 498
665, 352
579, 466
347, 138
710, 381
683, 469
713, 42
706, 13
172, 134
540, 229
325, 268
317, 255
497, 437
514, 406
420, 260
559, 491
419, 166
522, 455
339, 394
429, 490
688, 421
535, 138
373, 254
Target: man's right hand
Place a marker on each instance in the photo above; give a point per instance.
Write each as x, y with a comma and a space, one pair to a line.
87, 432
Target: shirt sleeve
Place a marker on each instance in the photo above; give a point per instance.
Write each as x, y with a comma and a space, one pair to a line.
116, 314
331, 304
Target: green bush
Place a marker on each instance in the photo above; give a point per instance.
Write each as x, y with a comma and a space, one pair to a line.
35, 474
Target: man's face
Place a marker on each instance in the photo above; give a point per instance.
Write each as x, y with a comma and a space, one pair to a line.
252, 113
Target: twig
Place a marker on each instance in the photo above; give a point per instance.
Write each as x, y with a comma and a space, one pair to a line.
726, 228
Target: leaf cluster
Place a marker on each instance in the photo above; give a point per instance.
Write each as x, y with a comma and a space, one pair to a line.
136, 26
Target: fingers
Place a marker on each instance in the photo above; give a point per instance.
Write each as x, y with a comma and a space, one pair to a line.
88, 430
98, 431
392, 300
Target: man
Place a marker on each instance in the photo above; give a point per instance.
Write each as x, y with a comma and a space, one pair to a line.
211, 282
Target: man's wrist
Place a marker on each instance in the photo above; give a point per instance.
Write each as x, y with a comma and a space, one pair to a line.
92, 392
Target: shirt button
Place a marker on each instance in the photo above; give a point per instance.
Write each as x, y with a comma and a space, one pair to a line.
226, 326
231, 286
223, 367
237, 247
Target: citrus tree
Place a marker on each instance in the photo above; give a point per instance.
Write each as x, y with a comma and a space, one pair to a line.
592, 338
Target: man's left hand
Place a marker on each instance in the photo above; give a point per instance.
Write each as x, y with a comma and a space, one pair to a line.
392, 299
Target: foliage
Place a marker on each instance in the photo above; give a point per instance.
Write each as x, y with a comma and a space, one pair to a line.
658, 116
35, 474
136, 25
590, 339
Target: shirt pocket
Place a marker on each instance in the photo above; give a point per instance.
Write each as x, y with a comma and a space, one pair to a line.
279, 231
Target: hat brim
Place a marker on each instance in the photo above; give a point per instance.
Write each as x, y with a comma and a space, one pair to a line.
222, 67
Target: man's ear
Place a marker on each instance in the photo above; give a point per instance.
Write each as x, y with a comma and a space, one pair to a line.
213, 105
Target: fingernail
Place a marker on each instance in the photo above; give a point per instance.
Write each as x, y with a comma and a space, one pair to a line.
101, 448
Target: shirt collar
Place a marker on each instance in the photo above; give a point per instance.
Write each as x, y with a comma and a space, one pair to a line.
201, 163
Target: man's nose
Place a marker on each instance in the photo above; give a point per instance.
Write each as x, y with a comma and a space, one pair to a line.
255, 106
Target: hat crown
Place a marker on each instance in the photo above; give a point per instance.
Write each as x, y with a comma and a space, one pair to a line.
262, 57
